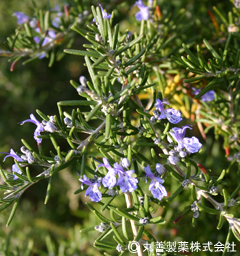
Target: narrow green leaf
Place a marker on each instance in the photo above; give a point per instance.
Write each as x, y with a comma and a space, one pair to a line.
49, 187
93, 112
176, 193
69, 155
98, 214
117, 234
108, 125
157, 220
82, 53
115, 37
191, 55
226, 47
14, 208
28, 174
109, 33
124, 228
107, 203
220, 222
139, 233
46, 20
146, 203
207, 209
135, 58
210, 48
27, 29
94, 78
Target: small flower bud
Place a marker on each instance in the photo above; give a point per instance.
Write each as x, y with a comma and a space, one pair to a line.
33, 23
24, 158
120, 248
112, 192
67, 121
196, 214
194, 207
213, 190
141, 200
156, 113
83, 81
80, 89
111, 52
125, 163
118, 62
102, 227
153, 119
129, 36
173, 160
144, 221
172, 152
51, 119
24, 150
31, 159
50, 127
57, 159
185, 183
160, 168
156, 141
182, 154
98, 38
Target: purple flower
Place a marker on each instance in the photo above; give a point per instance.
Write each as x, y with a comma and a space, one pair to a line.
92, 191
110, 179
38, 130
173, 115
158, 191
21, 17
144, 11
48, 39
104, 14
208, 96
192, 145
125, 181
178, 135
14, 166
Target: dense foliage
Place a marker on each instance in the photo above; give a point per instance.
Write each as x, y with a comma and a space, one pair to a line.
140, 152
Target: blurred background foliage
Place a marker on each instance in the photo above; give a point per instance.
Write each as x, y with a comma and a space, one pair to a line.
53, 229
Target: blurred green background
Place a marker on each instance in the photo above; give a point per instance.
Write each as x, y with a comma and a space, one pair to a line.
55, 227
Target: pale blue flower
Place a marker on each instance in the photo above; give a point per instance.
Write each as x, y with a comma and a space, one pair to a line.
173, 115
38, 130
158, 191
21, 17
92, 191
192, 145
126, 182
48, 39
208, 96
143, 14
178, 135
14, 166
110, 179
